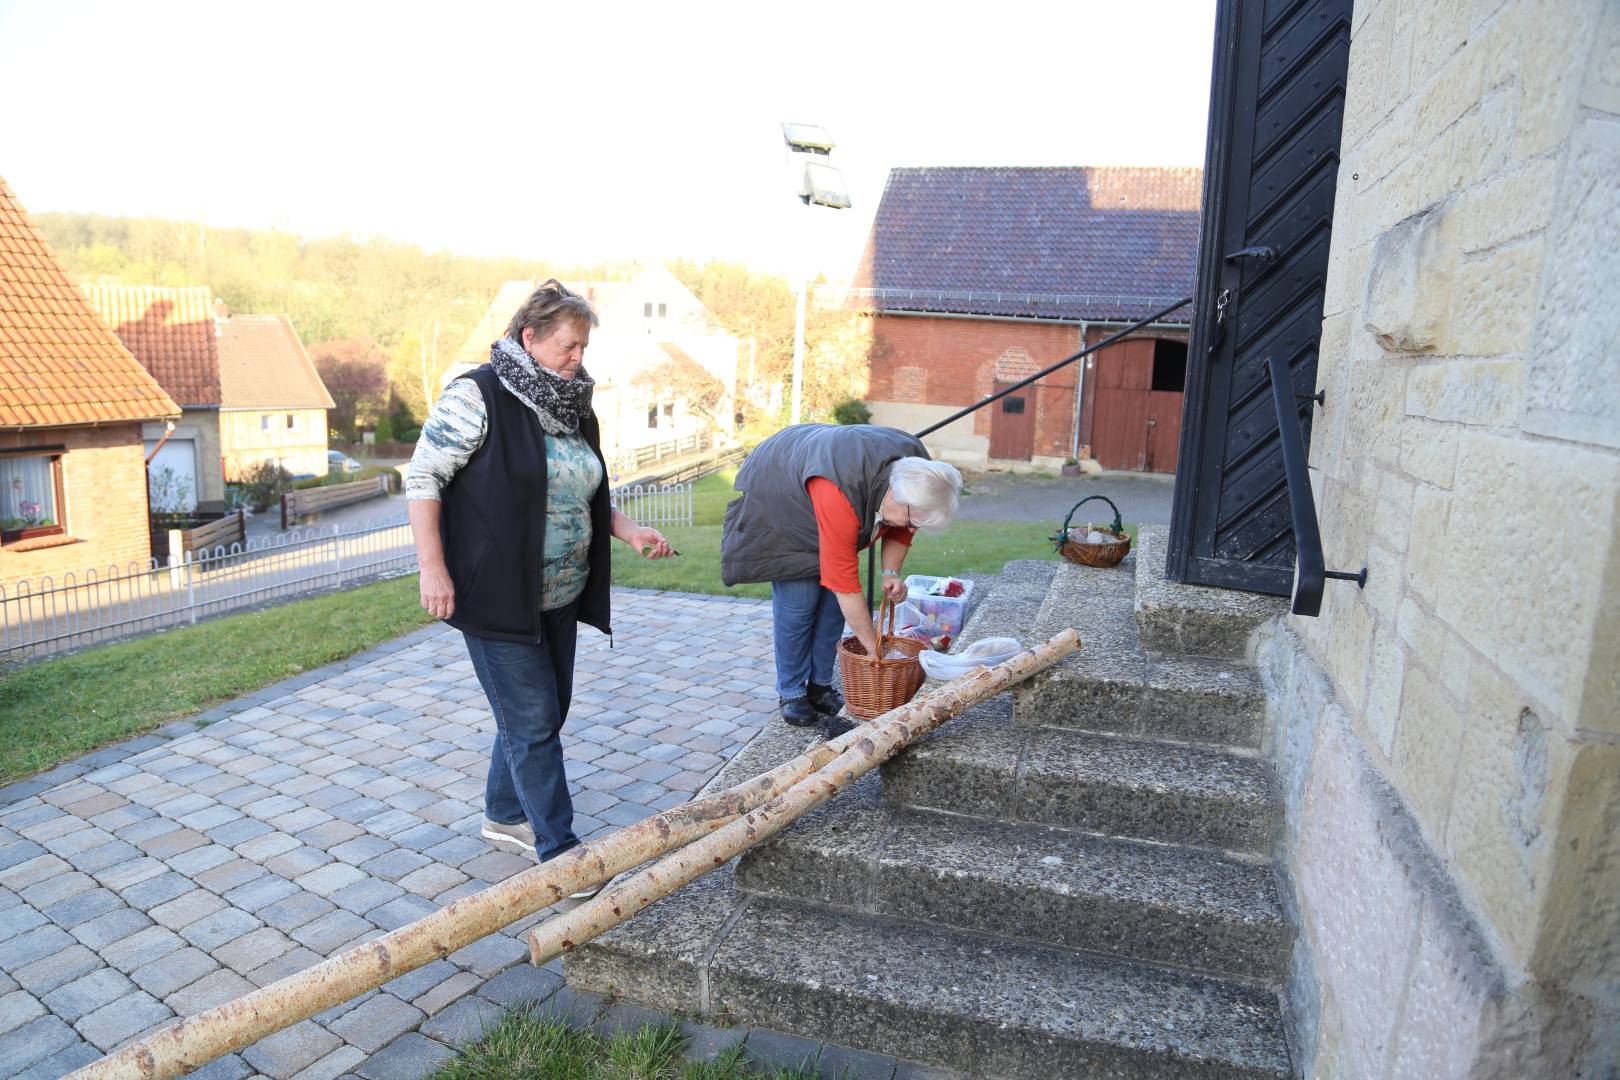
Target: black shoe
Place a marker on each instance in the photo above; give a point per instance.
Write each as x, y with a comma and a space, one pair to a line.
825, 700
798, 712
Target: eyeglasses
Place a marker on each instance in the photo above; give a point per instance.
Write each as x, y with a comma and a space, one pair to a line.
881, 520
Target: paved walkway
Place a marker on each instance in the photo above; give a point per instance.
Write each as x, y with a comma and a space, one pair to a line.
170, 874
1142, 498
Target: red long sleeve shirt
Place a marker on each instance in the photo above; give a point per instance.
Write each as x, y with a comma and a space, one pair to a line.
840, 531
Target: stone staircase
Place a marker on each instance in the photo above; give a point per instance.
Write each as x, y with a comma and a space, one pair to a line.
1070, 881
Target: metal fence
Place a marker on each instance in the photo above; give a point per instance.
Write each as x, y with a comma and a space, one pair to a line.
53, 614
77, 609
658, 505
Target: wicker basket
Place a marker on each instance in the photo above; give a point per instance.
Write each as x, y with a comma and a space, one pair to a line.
873, 685
1108, 553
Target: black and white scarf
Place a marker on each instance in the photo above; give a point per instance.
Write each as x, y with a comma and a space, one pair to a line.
560, 403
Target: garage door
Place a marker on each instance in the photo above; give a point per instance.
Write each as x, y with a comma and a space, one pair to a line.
172, 476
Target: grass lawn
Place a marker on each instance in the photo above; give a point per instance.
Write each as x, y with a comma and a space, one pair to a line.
59, 708
966, 549
531, 1046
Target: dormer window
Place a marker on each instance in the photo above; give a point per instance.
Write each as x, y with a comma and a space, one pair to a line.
647, 310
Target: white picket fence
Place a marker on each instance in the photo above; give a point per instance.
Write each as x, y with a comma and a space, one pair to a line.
53, 614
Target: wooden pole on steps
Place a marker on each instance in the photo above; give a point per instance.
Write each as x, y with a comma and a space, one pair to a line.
878, 741
193, 1041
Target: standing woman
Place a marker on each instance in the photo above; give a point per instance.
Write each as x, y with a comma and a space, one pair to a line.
508, 501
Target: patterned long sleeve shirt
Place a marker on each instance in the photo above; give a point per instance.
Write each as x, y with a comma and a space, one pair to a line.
457, 426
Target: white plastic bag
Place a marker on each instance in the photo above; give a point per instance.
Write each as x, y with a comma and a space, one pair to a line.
987, 652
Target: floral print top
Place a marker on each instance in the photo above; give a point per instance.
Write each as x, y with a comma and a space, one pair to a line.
456, 427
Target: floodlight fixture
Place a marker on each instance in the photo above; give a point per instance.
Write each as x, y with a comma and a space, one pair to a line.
824, 186
807, 138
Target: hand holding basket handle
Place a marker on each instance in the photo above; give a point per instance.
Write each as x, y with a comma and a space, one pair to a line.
872, 684
1115, 546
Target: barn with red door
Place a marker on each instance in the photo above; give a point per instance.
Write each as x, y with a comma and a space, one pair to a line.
977, 278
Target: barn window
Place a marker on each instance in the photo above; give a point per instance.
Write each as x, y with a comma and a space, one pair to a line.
1170, 365
1013, 405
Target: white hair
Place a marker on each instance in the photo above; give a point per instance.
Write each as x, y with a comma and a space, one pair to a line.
930, 488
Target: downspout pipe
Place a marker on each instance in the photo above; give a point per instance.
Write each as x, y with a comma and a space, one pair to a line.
1079, 397
168, 429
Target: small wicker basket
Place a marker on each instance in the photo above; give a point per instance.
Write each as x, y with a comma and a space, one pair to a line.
1107, 553
873, 685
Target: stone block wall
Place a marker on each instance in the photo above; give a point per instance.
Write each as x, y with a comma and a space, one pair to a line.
1469, 455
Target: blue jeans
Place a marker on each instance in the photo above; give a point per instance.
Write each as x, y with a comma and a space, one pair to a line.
529, 687
808, 622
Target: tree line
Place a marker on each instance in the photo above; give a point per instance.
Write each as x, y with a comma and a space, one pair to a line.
382, 319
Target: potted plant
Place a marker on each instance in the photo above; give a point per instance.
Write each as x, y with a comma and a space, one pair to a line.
28, 523
1071, 467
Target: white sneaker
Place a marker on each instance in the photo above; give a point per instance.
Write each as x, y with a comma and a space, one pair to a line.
591, 893
518, 837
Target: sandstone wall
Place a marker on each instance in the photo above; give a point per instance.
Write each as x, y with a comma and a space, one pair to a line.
1469, 454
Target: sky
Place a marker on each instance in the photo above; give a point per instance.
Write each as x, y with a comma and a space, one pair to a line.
579, 133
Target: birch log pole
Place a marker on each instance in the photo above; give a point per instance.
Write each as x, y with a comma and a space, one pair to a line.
878, 740
193, 1041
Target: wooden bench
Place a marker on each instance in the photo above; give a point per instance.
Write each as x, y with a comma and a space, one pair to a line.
296, 505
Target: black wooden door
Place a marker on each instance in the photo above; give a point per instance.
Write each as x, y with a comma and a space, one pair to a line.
1271, 165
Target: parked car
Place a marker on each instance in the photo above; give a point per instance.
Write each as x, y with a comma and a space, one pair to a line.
338, 461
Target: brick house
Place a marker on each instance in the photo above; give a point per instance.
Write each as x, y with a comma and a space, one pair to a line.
249, 391
73, 402
978, 277
171, 332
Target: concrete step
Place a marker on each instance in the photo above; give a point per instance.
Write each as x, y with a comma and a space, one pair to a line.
1192, 620
982, 1006
1155, 903
1001, 605
1114, 685
983, 764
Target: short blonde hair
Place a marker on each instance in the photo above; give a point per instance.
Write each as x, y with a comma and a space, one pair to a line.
550, 304
930, 488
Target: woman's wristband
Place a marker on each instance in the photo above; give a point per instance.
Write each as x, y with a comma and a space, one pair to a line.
890, 573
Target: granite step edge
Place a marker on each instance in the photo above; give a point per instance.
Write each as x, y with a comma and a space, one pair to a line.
1153, 903
983, 765
1193, 620
947, 997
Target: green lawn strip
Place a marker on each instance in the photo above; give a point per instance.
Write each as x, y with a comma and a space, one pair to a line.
57, 709
966, 549
531, 1045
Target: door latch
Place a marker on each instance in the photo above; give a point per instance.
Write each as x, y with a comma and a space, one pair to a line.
1264, 252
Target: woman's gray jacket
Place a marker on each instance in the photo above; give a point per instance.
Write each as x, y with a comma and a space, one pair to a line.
770, 531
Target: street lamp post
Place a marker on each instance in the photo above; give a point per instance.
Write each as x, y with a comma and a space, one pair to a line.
816, 182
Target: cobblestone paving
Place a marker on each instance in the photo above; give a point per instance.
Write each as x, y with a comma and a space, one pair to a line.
171, 874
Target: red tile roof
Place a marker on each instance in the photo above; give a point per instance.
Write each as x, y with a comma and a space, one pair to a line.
59, 364
263, 365
170, 331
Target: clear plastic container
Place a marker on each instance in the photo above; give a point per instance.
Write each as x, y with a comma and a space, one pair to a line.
939, 614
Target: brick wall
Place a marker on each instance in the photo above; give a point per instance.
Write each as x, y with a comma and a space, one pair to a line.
1469, 454
954, 362
104, 503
